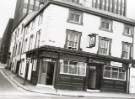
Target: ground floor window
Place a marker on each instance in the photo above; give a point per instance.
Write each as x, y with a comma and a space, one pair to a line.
116, 73
72, 68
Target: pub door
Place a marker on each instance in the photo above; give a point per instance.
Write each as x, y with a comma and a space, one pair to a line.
17, 67
46, 75
94, 77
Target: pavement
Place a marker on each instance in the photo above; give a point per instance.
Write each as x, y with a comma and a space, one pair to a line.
49, 90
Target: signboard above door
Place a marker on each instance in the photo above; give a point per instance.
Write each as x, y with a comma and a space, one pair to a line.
118, 64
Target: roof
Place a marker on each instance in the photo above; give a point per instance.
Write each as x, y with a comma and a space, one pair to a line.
92, 11
29, 17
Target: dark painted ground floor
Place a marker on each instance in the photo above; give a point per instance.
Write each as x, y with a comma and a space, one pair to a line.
73, 70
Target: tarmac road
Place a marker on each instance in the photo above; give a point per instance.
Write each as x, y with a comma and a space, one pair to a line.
9, 91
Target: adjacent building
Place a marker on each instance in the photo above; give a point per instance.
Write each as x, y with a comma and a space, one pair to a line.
69, 45
24, 7
5, 42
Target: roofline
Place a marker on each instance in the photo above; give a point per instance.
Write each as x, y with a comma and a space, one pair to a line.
92, 11
19, 22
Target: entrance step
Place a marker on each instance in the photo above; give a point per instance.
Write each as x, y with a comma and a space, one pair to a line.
45, 86
90, 90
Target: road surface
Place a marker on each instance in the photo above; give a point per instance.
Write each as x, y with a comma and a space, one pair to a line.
8, 91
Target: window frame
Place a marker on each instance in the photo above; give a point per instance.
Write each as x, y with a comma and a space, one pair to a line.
68, 31
111, 71
71, 11
30, 42
78, 68
110, 29
130, 50
131, 30
106, 39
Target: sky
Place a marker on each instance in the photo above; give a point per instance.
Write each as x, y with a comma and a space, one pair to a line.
7, 8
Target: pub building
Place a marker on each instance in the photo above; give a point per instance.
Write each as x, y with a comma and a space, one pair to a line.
83, 49
78, 70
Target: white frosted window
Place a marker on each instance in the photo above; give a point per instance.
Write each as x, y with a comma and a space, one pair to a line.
115, 73
69, 67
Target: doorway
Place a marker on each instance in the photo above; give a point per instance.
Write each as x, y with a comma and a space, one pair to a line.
46, 75
50, 73
94, 77
17, 67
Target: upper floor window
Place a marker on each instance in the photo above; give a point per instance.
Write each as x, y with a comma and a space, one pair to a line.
92, 40
25, 44
104, 46
106, 25
37, 39
128, 30
40, 18
70, 67
126, 50
73, 39
31, 42
75, 17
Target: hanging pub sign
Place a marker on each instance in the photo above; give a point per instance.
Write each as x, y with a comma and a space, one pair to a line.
92, 40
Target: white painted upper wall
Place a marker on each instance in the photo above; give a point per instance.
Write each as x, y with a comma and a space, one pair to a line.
54, 25
55, 32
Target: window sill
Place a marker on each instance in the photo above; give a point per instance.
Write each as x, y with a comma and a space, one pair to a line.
125, 58
127, 35
91, 46
114, 79
107, 30
72, 74
78, 23
104, 54
74, 49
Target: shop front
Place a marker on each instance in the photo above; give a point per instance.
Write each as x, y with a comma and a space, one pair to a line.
46, 71
107, 75
94, 78
71, 73
66, 69
114, 77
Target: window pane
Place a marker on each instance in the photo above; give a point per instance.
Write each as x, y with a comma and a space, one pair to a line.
104, 46
115, 69
81, 69
73, 38
122, 76
107, 73
126, 50
106, 24
73, 67
128, 30
114, 74
75, 17
65, 67
107, 68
